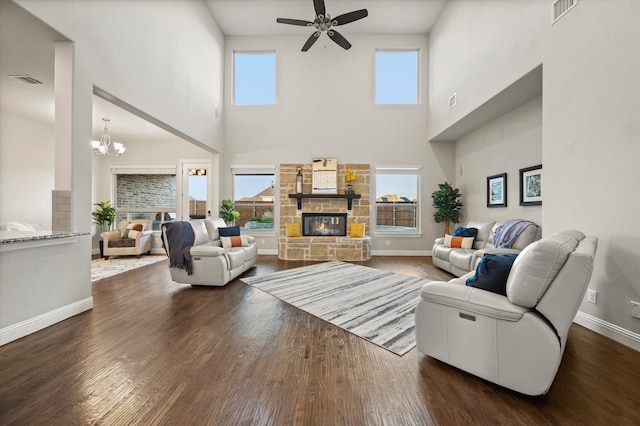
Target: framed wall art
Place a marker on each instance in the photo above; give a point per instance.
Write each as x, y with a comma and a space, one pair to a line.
497, 190
531, 186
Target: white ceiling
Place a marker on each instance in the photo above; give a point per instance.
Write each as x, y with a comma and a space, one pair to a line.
26, 47
258, 17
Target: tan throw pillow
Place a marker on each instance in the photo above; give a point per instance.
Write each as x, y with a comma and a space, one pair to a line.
133, 234
131, 227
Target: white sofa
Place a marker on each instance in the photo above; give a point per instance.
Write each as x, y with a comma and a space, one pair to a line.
211, 264
459, 261
517, 340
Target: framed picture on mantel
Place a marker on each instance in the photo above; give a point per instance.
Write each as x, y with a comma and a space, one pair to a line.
324, 177
497, 190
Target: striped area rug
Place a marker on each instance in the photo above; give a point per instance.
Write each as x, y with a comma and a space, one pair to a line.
376, 305
101, 268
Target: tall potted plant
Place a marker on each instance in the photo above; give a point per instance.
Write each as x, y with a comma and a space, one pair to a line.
104, 214
446, 200
228, 213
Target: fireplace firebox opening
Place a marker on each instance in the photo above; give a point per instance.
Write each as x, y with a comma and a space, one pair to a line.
324, 224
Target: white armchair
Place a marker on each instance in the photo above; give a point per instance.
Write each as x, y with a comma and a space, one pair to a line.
115, 243
517, 340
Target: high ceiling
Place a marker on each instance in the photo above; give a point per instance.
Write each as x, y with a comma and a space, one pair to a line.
258, 17
26, 47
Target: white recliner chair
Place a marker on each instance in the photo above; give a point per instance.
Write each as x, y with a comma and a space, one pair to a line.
517, 340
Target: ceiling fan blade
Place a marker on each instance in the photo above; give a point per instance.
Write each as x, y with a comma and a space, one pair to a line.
350, 17
314, 37
299, 22
339, 39
319, 7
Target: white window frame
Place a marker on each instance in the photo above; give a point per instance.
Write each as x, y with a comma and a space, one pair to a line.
233, 73
414, 170
260, 170
418, 77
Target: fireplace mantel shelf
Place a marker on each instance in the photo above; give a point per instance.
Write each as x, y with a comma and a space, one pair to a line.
348, 197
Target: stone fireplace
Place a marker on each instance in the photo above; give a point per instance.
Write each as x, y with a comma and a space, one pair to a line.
324, 224
328, 218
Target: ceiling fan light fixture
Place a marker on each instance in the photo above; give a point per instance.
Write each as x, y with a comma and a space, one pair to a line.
323, 23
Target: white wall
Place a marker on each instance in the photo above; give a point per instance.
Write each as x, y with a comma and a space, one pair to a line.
506, 145
591, 150
164, 59
478, 48
590, 122
26, 170
325, 107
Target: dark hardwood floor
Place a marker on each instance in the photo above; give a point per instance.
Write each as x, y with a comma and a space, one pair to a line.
155, 352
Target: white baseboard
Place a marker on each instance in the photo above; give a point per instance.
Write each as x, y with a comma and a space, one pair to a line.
270, 252
401, 252
24, 328
612, 331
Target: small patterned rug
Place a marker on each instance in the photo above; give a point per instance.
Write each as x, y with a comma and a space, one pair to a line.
101, 268
373, 304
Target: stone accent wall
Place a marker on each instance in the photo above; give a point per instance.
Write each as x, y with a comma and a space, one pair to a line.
324, 248
145, 190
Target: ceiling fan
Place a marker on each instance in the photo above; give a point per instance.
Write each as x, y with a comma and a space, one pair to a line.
324, 22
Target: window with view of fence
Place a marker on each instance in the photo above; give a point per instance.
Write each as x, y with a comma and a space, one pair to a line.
254, 210
254, 194
402, 215
397, 199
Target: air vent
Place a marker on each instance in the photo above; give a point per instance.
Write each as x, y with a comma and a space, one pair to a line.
26, 78
561, 7
452, 101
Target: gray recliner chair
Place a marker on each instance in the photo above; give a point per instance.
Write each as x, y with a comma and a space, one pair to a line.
517, 340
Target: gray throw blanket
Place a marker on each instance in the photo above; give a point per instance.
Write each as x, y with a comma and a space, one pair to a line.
180, 238
509, 231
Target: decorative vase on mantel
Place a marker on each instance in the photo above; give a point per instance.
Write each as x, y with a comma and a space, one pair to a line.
350, 190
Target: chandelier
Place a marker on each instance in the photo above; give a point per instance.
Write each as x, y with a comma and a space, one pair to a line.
104, 147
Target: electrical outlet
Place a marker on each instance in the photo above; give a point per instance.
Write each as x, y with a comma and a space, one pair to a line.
386, 242
635, 309
591, 296
262, 241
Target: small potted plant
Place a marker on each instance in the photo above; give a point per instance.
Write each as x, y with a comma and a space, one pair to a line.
349, 178
446, 200
228, 213
104, 214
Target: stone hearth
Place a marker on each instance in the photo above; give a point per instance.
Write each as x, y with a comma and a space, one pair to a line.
323, 247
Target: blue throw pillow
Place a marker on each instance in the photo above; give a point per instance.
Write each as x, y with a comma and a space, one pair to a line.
230, 231
492, 273
465, 232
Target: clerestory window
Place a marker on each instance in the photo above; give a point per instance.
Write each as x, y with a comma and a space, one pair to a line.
397, 77
254, 78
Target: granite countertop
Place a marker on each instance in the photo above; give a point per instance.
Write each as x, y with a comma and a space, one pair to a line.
8, 237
